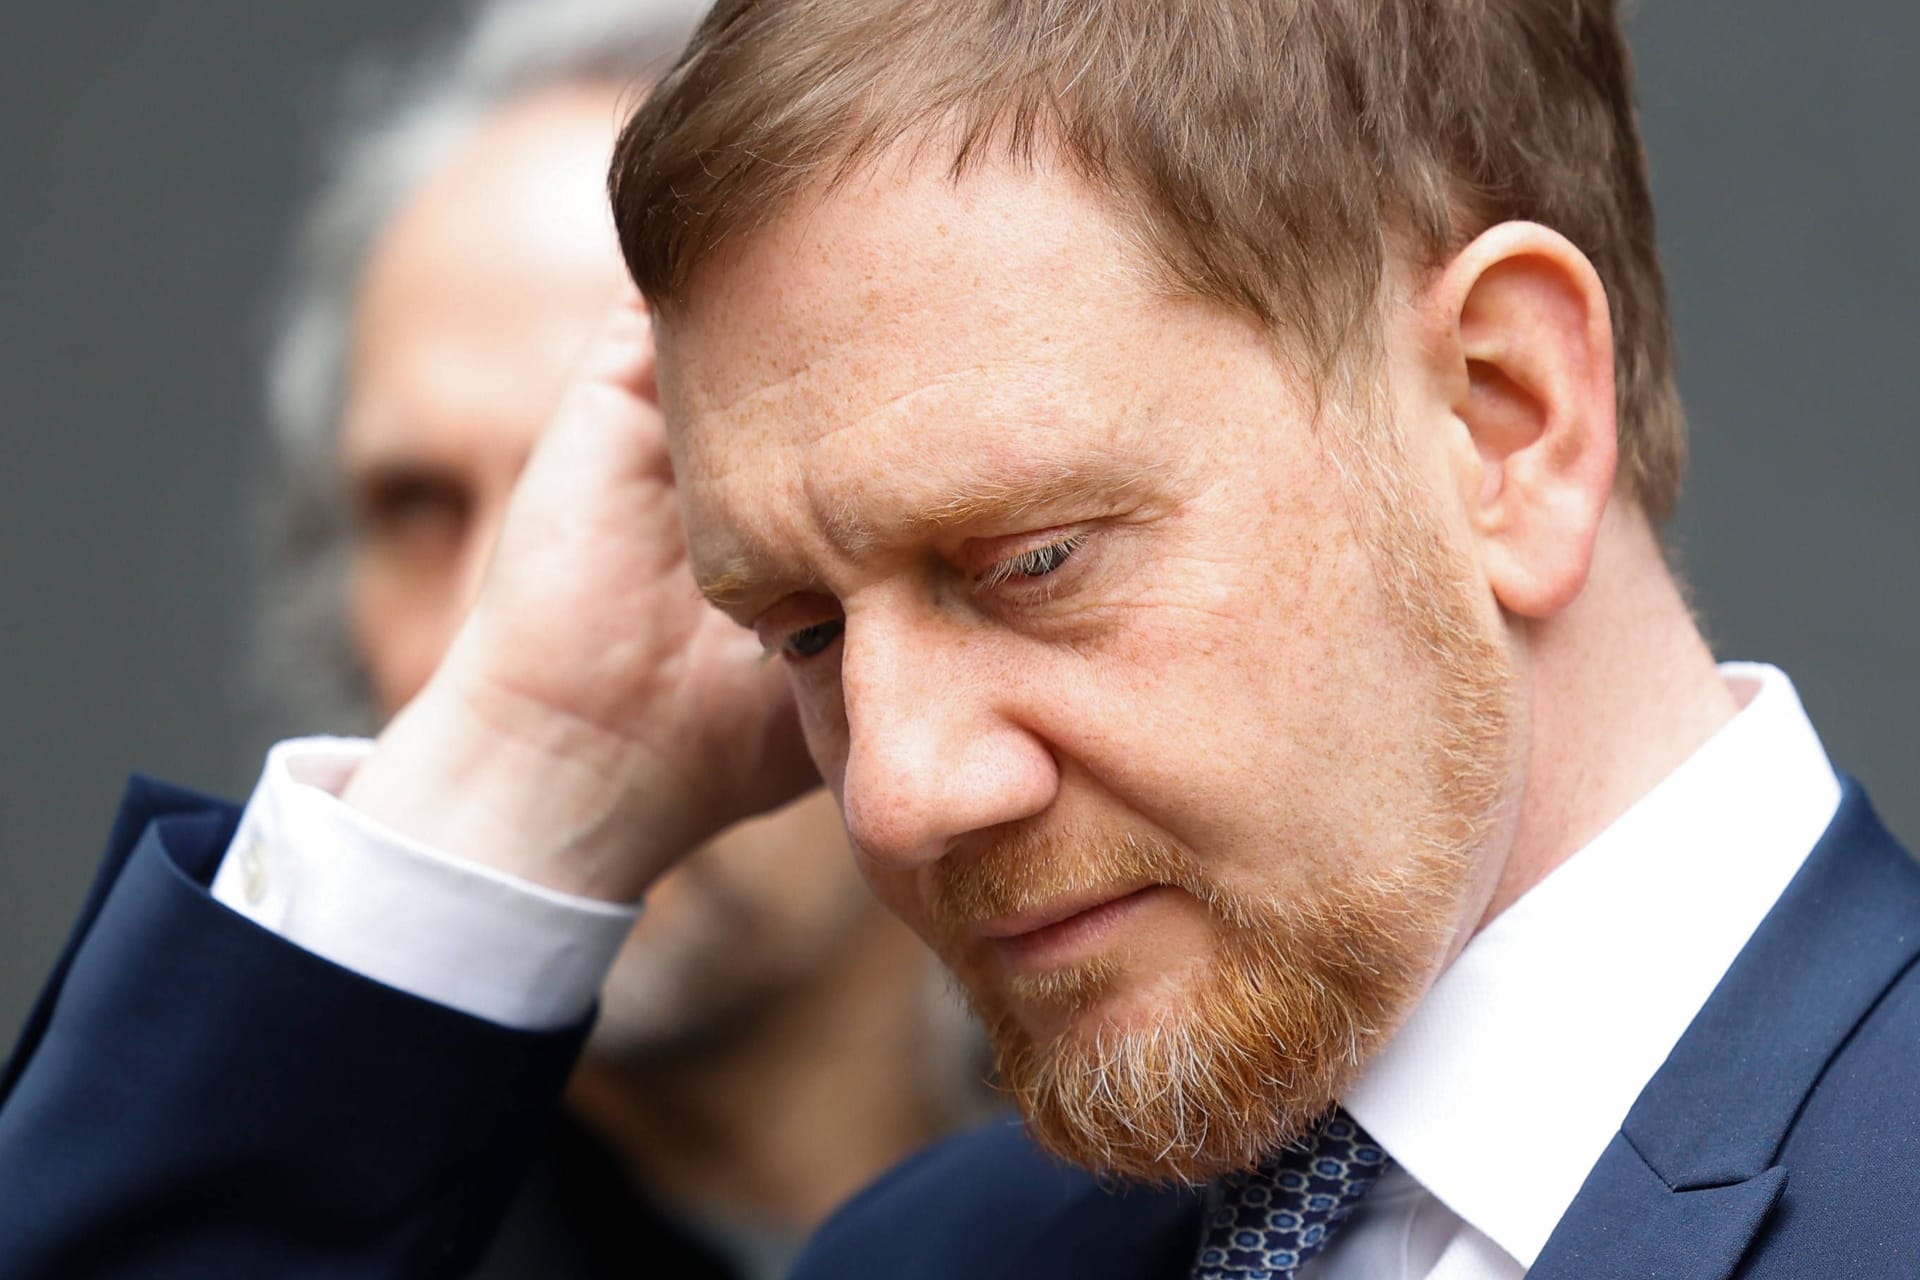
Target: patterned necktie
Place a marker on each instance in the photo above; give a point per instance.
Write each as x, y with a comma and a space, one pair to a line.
1267, 1224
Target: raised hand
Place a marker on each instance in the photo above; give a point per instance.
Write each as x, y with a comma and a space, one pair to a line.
595, 719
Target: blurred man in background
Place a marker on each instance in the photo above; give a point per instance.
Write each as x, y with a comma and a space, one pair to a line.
769, 1038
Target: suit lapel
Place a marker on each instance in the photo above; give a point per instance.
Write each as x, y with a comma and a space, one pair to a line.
1628, 1221
1690, 1181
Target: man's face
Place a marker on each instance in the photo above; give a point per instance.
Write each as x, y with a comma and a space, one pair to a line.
475, 304
1181, 740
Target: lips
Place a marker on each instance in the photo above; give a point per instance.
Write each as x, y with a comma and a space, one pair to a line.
1056, 912
1063, 931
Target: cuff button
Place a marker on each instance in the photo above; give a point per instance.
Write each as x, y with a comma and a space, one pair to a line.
253, 870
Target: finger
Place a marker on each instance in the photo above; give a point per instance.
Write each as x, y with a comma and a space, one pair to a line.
620, 353
610, 412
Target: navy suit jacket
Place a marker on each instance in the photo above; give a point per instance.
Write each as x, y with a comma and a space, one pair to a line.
194, 1097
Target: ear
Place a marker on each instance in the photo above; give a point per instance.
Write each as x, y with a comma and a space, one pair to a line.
1528, 338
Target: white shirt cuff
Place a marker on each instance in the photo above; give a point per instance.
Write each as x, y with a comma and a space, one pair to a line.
333, 881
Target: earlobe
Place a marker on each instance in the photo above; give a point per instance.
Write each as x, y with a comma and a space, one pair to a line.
1531, 328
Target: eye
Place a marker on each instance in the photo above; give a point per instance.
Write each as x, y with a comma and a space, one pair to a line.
411, 510
1036, 562
812, 641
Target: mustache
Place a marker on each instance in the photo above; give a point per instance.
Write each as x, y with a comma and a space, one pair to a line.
1026, 866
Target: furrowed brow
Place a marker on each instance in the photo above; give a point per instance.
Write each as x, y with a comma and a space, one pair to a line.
984, 499
990, 499
730, 586
739, 585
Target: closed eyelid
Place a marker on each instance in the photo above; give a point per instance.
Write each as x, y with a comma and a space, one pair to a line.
777, 626
1037, 559
810, 641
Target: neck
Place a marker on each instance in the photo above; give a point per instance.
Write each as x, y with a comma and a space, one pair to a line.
1622, 689
806, 1106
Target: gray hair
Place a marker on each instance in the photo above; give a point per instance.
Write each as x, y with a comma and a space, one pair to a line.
401, 123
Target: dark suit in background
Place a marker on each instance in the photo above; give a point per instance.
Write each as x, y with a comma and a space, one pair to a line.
578, 1217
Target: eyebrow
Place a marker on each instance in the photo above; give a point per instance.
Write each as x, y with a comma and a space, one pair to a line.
1001, 498
414, 453
732, 585
983, 499
990, 498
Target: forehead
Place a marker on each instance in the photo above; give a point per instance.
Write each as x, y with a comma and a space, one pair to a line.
479, 291
873, 345
895, 244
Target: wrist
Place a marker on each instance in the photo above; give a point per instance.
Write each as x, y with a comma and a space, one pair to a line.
480, 775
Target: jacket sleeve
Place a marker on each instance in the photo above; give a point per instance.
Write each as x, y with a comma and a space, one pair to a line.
193, 1096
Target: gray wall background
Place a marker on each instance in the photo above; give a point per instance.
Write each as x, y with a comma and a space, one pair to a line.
151, 155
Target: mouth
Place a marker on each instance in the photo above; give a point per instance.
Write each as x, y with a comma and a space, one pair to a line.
1066, 932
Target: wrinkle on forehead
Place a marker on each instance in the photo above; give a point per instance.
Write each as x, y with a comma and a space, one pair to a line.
913, 257
854, 452
899, 354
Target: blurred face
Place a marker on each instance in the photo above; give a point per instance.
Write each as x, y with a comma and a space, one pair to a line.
476, 302
1181, 742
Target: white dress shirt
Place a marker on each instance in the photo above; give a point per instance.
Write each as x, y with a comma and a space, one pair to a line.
329, 878
1498, 1096
1494, 1101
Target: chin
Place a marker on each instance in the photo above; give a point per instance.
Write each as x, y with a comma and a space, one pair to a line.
1103, 997
1149, 1068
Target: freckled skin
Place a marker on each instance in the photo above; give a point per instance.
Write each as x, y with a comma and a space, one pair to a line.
1215, 660
1295, 649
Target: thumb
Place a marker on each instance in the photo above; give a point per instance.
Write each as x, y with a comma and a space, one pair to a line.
609, 415
620, 353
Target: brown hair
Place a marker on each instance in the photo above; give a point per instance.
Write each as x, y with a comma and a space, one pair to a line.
1273, 153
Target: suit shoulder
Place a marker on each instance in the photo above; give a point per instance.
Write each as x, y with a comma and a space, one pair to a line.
959, 1208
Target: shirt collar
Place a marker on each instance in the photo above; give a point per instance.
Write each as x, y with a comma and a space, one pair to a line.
1518, 1067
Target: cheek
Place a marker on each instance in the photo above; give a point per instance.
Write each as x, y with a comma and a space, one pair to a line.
380, 629
402, 623
823, 715
1256, 714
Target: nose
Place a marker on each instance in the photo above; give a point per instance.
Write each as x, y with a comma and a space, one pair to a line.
477, 552
934, 747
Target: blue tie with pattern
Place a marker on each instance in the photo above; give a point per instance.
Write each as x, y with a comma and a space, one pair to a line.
1267, 1224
